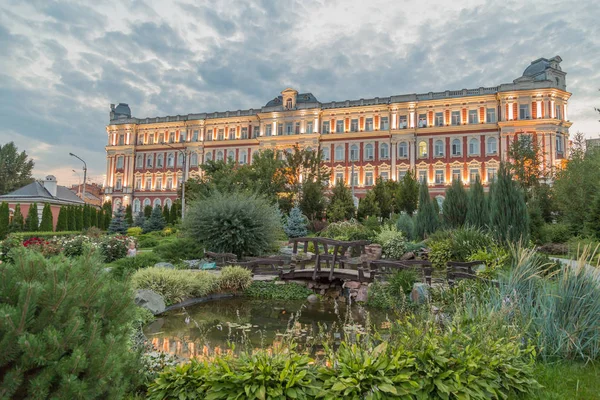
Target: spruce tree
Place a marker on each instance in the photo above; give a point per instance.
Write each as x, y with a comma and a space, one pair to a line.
32, 223
592, 225
408, 194
147, 211
128, 215
427, 220
296, 223
4, 218
156, 222
367, 207
47, 224
455, 205
166, 214
86, 217
477, 210
118, 223
17, 224
139, 220
79, 218
509, 220
341, 206
62, 223
66, 329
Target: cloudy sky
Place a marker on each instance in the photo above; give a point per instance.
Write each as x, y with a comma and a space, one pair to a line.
63, 62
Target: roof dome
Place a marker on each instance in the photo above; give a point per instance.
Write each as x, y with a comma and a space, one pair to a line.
123, 110
538, 66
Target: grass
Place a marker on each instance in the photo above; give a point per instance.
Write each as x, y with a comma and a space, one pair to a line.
573, 381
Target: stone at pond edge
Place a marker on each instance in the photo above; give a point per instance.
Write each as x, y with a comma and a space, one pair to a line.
150, 300
407, 256
351, 285
420, 293
192, 264
164, 265
363, 294
312, 298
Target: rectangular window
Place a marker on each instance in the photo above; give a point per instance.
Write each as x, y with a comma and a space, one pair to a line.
559, 144
491, 174
138, 184
490, 115
422, 120
339, 126
354, 179
159, 161
309, 127
140, 139
139, 161
297, 128
524, 111
368, 124
119, 184
368, 179
384, 124
119, 162
221, 134
439, 176
455, 117
255, 131
288, 128
149, 160
456, 175
403, 124
148, 183
325, 127
151, 138
473, 117
558, 112
473, 175
172, 137
121, 140
268, 130
280, 129
439, 119
179, 159
353, 125
325, 153
339, 153
245, 133
423, 176
169, 183
339, 177
209, 135
158, 183
182, 136
354, 153
401, 174
195, 136
384, 175
231, 133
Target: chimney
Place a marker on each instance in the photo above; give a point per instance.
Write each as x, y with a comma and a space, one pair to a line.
50, 184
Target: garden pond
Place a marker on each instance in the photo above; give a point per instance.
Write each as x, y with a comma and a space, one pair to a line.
213, 327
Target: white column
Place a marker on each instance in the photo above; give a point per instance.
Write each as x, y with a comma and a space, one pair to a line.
393, 148
539, 109
411, 151
412, 119
316, 125
393, 122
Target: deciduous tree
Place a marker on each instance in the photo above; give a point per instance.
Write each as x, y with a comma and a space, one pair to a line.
15, 168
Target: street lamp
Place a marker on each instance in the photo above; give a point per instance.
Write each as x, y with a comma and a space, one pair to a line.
84, 174
184, 154
78, 186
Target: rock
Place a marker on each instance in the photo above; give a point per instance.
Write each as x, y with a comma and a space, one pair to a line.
420, 293
363, 294
192, 264
373, 252
351, 285
407, 256
150, 300
312, 298
164, 265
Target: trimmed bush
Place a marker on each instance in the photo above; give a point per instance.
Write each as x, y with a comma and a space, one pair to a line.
556, 233
346, 230
234, 278
134, 231
393, 243
22, 236
271, 290
176, 250
175, 285
406, 225
128, 265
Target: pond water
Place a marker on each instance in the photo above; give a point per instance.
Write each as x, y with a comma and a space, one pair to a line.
210, 327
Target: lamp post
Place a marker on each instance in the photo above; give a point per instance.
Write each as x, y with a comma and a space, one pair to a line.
84, 174
78, 186
184, 154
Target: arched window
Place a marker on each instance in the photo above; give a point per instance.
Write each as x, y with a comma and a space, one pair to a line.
194, 159
325, 153
136, 206
208, 156
439, 148
422, 149
116, 204
170, 160
159, 161
156, 203
384, 151
339, 153
219, 155
473, 146
492, 145
168, 203
139, 161
147, 202
456, 147
231, 155
179, 159
402, 150
369, 152
243, 157
354, 152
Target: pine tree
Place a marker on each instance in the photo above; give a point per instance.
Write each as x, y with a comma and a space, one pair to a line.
509, 221
455, 205
79, 218
341, 206
592, 225
156, 222
408, 194
427, 220
68, 343
47, 224
62, 223
367, 207
477, 210
166, 214
17, 224
147, 211
128, 215
32, 223
139, 220
296, 223
118, 223
86, 217
4, 218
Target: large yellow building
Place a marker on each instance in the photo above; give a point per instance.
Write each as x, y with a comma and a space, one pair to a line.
455, 134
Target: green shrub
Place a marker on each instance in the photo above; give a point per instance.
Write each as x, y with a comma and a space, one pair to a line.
235, 278
346, 230
495, 258
22, 236
272, 290
406, 225
440, 252
65, 329
146, 241
128, 265
179, 249
235, 223
456, 244
556, 233
402, 282
134, 231
74, 246
114, 247
184, 381
392, 295
393, 244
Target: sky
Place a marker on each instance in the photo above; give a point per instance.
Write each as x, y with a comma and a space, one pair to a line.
63, 63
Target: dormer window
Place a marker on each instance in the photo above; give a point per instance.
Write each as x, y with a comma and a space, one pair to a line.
288, 104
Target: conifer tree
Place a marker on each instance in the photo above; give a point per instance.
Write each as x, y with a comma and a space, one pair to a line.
509, 220
79, 218
47, 224
312, 201
455, 205
4, 218
93, 216
156, 222
100, 219
62, 223
427, 220
139, 220
166, 214
32, 222
383, 197
408, 194
477, 210
72, 343
367, 207
147, 211
107, 214
341, 206
536, 221
118, 223
86, 216
128, 215
71, 218
592, 225
296, 223
174, 214
17, 224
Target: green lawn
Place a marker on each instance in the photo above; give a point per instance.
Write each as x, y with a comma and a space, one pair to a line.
572, 381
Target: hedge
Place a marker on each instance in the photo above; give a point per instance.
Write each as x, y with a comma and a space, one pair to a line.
43, 235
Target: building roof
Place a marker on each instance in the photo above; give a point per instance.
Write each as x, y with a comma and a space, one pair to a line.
35, 191
301, 98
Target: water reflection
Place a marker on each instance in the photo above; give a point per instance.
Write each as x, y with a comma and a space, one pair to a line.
210, 328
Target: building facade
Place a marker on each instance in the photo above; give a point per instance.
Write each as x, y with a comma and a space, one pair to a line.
441, 136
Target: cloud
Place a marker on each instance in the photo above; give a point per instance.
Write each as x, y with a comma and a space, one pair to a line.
64, 62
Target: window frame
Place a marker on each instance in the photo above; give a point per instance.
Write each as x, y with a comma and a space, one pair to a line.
453, 150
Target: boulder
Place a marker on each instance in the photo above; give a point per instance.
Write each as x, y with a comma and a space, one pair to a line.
351, 285
164, 265
312, 298
373, 251
363, 294
420, 293
192, 264
408, 256
150, 300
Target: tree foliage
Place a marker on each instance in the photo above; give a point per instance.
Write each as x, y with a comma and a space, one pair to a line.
15, 168
313, 201
4, 217
477, 210
295, 225
62, 223
427, 220
455, 205
509, 220
408, 194
32, 222
156, 222
47, 223
128, 215
367, 207
17, 224
118, 223
341, 204
592, 225
527, 161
